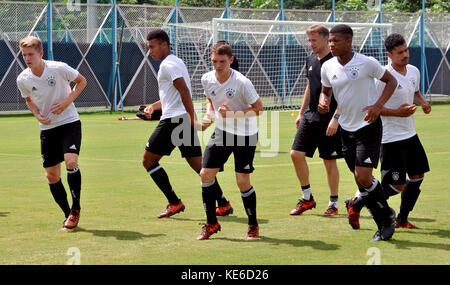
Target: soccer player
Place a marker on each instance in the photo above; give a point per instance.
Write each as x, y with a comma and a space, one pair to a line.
401, 150
316, 130
235, 63
349, 76
233, 101
45, 85
176, 126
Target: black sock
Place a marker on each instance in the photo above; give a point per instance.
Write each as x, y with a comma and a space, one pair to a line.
221, 200
209, 201
249, 199
60, 196
162, 181
390, 190
410, 194
74, 180
358, 203
376, 203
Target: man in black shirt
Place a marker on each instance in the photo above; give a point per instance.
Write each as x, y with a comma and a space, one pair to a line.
316, 130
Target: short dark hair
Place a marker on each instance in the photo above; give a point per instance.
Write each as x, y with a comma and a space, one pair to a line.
393, 41
159, 34
342, 29
222, 47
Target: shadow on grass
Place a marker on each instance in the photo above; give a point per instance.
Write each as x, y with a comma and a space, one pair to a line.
235, 219
406, 244
4, 214
120, 235
315, 244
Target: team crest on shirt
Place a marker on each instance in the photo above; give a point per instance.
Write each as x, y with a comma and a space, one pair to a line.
230, 92
413, 82
51, 81
353, 73
395, 176
213, 93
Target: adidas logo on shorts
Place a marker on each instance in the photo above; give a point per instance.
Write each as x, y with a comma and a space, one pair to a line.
368, 160
73, 147
247, 167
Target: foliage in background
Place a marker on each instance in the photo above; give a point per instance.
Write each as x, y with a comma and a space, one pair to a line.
437, 6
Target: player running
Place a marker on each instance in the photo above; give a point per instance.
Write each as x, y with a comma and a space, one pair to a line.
233, 101
45, 85
401, 150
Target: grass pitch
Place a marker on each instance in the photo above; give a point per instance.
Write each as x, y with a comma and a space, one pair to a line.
120, 202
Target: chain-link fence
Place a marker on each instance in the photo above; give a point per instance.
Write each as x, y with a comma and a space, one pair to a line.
87, 37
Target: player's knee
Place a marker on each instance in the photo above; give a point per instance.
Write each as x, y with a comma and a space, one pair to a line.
243, 182
71, 164
52, 177
297, 155
363, 179
206, 175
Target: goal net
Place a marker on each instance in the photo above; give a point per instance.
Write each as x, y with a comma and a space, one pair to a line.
272, 54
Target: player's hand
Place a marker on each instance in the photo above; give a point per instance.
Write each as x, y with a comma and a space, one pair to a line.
198, 126
59, 106
43, 119
206, 121
148, 111
426, 107
406, 110
324, 105
223, 110
298, 120
332, 127
373, 112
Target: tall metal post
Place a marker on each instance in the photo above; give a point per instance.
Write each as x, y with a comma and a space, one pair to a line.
332, 12
49, 30
225, 15
422, 54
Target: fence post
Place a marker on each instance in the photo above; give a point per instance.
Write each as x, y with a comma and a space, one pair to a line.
112, 95
49, 30
332, 11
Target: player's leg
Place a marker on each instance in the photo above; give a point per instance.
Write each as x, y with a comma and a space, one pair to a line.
52, 156
71, 136
330, 149
53, 175
160, 144
243, 166
417, 165
224, 207
213, 160
333, 183
368, 143
304, 145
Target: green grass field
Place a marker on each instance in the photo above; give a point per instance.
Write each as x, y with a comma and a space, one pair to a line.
120, 202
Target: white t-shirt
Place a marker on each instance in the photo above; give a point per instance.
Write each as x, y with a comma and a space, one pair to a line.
52, 86
400, 128
170, 69
238, 93
353, 87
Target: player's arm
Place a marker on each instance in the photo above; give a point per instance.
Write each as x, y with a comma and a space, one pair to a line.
60, 106
374, 110
36, 112
255, 109
333, 124
185, 94
305, 103
404, 110
148, 111
208, 118
324, 100
418, 99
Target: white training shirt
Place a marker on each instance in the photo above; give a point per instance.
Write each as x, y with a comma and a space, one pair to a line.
52, 86
238, 93
170, 69
353, 87
400, 128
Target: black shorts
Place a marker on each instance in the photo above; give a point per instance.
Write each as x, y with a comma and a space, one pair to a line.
312, 135
222, 144
362, 147
175, 132
400, 158
58, 141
